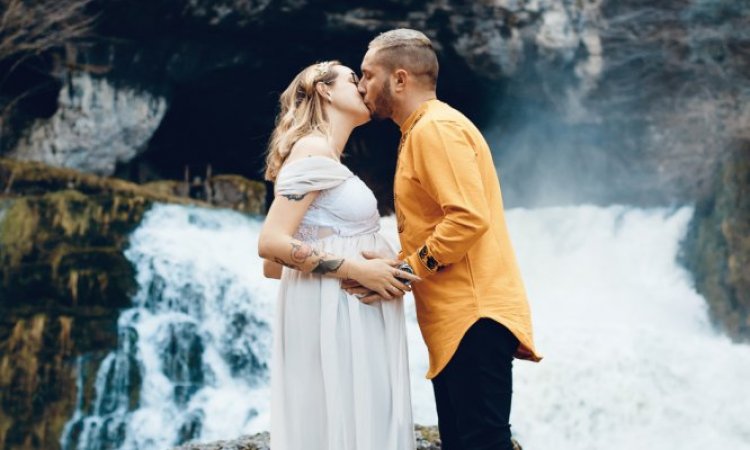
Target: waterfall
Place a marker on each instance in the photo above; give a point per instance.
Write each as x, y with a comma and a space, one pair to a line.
193, 353
631, 359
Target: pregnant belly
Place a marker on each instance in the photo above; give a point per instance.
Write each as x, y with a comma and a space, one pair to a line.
353, 246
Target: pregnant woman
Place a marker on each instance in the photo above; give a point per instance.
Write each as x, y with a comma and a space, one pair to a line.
340, 375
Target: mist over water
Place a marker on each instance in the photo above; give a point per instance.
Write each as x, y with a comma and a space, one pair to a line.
630, 357
630, 102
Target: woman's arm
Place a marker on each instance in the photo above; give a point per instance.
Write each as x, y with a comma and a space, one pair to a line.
271, 269
276, 244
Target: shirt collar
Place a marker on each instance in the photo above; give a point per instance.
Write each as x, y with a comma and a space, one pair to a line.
416, 114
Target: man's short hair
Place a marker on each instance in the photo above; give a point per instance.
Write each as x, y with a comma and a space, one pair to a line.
407, 49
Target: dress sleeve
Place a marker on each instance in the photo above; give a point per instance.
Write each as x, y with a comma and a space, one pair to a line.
314, 173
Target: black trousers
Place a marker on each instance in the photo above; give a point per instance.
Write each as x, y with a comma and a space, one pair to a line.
473, 392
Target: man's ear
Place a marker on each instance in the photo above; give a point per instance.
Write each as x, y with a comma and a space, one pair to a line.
400, 78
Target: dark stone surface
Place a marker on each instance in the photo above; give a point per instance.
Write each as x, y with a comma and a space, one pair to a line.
598, 102
717, 247
427, 438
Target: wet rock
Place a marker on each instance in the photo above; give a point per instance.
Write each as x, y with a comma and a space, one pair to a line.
427, 438
627, 100
717, 247
224, 191
96, 125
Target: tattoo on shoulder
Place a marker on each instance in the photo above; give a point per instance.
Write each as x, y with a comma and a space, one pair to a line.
294, 197
327, 266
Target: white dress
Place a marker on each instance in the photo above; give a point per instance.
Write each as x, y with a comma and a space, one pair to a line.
340, 373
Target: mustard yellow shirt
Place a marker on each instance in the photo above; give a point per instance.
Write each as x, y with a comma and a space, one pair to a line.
452, 230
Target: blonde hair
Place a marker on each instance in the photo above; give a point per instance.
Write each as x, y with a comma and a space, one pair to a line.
408, 49
300, 114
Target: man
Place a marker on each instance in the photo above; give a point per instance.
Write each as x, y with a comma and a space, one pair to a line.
471, 302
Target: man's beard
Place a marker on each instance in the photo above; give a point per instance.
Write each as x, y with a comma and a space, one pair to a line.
383, 107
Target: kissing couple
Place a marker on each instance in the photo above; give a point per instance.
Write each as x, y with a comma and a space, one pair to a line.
340, 372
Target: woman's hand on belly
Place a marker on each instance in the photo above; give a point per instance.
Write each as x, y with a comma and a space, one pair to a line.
372, 284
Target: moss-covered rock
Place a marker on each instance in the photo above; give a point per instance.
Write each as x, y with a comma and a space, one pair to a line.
62, 235
717, 246
37, 382
63, 231
224, 191
237, 192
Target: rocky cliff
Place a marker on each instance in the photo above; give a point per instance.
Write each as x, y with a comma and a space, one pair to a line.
594, 101
717, 247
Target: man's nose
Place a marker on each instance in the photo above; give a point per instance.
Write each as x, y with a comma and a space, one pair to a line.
361, 88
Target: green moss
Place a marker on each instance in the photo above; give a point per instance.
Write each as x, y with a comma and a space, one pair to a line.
62, 235
29, 178
37, 383
23, 178
73, 212
165, 187
17, 232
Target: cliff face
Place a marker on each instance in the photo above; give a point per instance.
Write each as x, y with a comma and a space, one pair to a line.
628, 99
63, 282
95, 126
717, 247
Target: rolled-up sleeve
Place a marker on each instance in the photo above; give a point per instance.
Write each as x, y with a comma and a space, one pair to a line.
445, 162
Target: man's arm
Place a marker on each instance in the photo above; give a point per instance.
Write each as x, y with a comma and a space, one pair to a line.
446, 165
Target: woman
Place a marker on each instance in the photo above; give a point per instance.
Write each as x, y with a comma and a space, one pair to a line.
339, 376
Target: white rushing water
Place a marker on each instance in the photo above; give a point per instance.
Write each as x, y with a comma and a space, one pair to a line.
630, 358
196, 344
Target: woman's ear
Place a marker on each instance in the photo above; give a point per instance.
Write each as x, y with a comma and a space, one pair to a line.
323, 90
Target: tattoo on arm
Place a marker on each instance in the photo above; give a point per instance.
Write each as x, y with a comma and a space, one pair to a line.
295, 197
285, 264
301, 252
327, 266
307, 258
